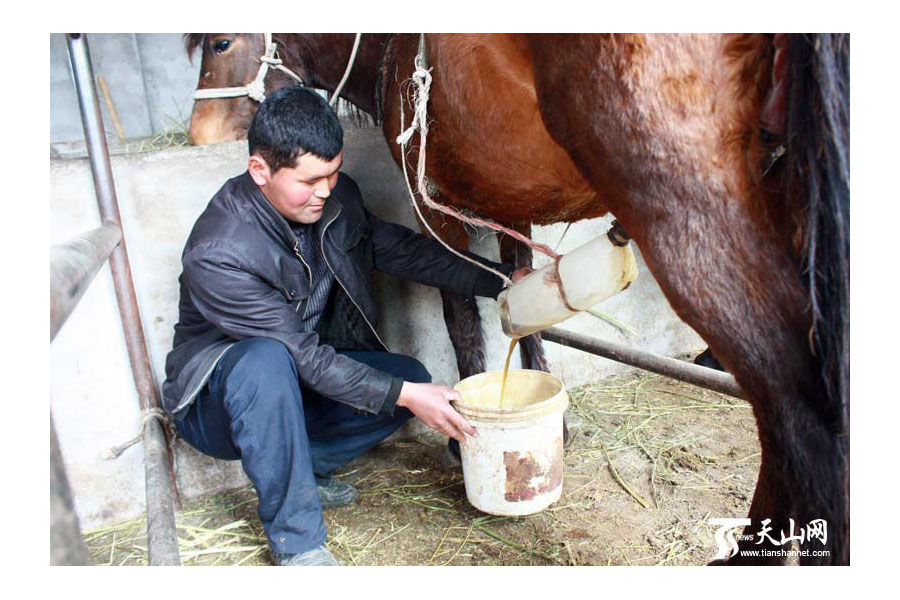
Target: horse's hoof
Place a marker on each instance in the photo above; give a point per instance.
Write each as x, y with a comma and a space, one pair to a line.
706, 359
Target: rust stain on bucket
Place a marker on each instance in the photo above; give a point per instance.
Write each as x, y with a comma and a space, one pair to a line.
523, 473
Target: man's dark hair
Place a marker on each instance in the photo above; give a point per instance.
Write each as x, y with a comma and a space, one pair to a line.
293, 121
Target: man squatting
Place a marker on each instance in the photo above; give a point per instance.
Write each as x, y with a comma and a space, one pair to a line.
275, 360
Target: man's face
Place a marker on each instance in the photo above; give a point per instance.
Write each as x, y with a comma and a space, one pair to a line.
297, 193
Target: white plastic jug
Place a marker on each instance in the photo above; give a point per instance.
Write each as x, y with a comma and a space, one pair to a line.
577, 281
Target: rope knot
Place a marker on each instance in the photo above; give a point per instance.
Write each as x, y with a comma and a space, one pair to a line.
146, 415
271, 60
257, 90
422, 78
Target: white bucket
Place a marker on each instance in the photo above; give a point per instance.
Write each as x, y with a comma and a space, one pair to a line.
514, 466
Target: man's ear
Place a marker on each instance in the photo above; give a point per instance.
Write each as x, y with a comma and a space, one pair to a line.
259, 170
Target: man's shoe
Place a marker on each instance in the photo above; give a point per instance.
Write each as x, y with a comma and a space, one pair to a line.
317, 557
336, 493
708, 360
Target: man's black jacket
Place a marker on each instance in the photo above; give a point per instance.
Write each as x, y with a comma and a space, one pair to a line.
243, 277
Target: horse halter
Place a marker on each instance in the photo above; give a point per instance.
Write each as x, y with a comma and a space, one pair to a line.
256, 89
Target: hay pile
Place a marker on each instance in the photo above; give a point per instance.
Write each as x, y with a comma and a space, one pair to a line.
650, 462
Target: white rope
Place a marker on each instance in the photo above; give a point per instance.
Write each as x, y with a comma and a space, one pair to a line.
153, 413
422, 79
209, 93
256, 89
279, 65
340, 87
559, 242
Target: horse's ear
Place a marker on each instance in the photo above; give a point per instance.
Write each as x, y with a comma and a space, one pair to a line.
191, 42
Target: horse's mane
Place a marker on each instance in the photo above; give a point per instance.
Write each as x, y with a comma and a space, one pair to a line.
381, 77
296, 49
818, 154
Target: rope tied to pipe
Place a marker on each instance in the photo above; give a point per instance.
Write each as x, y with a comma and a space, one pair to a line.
151, 413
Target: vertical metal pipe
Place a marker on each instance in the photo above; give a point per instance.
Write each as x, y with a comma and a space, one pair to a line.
161, 537
66, 544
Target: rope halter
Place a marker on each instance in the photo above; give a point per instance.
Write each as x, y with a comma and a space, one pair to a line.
256, 89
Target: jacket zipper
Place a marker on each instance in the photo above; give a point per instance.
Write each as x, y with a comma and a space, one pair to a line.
336, 278
187, 400
308, 269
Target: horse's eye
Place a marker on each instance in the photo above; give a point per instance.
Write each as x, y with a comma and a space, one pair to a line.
221, 46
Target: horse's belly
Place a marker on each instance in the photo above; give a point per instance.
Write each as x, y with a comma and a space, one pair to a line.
488, 149
515, 196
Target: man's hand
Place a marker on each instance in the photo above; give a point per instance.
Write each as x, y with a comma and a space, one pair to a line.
431, 404
521, 273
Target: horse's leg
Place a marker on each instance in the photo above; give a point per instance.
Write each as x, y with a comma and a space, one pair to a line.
706, 359
822, 497
652, 125
770, 501
797, 482
464, 327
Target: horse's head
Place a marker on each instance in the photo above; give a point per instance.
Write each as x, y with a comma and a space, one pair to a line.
229, 60
234, 60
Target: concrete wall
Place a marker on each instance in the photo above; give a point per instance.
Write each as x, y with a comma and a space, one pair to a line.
160, 195
149, 76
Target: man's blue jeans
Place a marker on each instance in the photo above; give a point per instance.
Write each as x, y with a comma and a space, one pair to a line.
254, 408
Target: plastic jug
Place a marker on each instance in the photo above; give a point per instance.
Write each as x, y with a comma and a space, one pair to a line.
577, 281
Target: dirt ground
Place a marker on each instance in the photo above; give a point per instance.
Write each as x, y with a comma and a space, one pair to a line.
651, 461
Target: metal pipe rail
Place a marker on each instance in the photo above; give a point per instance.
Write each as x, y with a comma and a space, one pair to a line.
724, 383
162, 541
73, 266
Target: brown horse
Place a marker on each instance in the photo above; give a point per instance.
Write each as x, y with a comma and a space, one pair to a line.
678, 136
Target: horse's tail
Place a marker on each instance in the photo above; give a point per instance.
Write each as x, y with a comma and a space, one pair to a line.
818, 140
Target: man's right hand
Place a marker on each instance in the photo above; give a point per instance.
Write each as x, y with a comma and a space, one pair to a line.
431, 404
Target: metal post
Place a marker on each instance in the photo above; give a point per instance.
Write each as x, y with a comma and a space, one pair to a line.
162, 540
724, 383
66, 544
